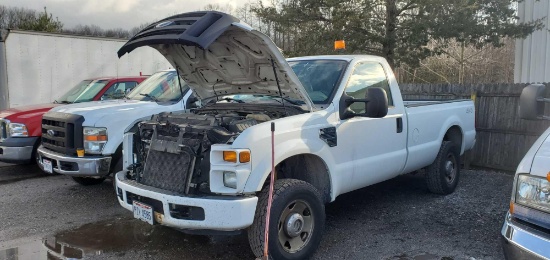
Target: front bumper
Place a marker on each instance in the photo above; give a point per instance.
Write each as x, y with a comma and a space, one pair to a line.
520, 241
17, 150
221, 213
75, 166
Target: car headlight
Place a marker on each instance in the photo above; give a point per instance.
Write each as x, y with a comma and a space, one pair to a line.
17, 130
534, 192
95, 139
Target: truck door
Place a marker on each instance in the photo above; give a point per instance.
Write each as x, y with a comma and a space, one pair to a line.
375, 147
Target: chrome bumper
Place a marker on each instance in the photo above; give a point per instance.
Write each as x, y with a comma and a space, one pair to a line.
75, 166
520, 241
15, 154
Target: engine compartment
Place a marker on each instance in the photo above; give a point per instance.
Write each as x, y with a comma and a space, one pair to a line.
178, 144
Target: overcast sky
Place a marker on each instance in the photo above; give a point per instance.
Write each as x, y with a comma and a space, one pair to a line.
110, 14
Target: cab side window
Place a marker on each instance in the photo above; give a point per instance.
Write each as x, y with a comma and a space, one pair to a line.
366, 75
119, 90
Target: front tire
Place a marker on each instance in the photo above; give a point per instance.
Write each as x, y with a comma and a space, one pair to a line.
296, 223
443, 175
85, 181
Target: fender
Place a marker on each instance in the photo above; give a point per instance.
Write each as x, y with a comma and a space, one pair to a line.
450, 122
287, 149
292, 137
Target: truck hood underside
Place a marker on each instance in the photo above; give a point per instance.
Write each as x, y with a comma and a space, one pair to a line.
218, 55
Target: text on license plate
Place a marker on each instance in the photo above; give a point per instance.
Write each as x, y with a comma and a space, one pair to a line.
47, 164
143, 212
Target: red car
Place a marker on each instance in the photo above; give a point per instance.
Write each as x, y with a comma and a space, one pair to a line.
20, 127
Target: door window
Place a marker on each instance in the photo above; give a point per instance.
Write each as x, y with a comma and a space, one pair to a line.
367, 75
119, 90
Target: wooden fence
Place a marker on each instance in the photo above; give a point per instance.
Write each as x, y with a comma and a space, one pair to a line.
502, 137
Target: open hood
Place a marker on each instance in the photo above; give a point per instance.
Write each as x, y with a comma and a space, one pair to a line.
218, 55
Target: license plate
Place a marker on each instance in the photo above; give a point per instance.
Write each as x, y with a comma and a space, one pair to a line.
47, 165
143, 212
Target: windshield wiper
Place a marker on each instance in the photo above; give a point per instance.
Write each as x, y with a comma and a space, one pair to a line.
294, 102
62, 102
151, 97
289, 100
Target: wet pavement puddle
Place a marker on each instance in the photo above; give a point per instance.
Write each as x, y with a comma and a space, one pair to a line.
115, 236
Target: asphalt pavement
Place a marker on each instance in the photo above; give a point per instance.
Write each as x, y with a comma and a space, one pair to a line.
51, 217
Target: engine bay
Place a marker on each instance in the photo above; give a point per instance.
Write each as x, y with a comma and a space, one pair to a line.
173, 149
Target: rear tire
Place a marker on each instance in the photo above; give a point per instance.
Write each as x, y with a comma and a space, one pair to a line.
443, 175
85, 181
296, 224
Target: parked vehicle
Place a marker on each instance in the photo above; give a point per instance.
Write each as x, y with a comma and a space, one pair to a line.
26, 66
20, 127
84, 140
340, 125
526, 229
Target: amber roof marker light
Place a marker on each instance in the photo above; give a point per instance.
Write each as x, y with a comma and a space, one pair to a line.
339, 45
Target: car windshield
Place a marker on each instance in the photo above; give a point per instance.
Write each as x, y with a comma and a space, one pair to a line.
160, 87
319, 77
83, 92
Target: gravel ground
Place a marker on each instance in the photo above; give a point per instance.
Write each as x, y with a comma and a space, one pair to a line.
396, 219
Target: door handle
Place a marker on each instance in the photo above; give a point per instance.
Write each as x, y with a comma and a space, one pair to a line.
399, 124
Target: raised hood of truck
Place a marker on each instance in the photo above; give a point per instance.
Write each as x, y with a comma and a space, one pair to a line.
218, 55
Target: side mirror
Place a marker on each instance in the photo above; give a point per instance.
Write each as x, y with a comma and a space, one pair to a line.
376, 104
531, 102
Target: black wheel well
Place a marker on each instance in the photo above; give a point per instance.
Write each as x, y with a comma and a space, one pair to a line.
309, 168
115, 157
454, 134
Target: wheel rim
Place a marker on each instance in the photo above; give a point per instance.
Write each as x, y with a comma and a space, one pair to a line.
450, 168
295, 226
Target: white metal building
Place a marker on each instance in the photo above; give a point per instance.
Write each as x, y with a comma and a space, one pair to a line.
38, 67
533, 53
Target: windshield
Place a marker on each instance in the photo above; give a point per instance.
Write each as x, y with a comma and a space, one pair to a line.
83, 92
319, 77
160, 87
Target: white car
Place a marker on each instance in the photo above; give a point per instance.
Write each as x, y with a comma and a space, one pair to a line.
84, 140
340, 124
526, 229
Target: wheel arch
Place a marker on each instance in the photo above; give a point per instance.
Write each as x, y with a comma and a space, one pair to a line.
306, 167
455, 135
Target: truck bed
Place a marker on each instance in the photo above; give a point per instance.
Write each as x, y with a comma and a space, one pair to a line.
427, 123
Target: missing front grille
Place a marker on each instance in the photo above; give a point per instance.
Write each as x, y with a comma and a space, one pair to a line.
167, 171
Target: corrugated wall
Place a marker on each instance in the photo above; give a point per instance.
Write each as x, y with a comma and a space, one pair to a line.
43, 66
533, 53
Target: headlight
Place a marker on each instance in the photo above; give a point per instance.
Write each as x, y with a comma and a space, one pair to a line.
534, 192
95, 139
17, 130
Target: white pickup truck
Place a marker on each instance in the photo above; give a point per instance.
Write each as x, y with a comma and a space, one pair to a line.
96, 129
340, 125
526, 229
